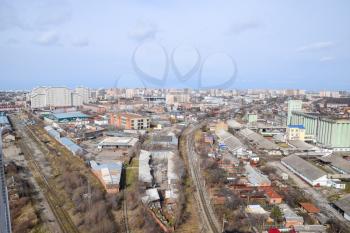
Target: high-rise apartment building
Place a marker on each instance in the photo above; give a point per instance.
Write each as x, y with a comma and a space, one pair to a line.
42, 97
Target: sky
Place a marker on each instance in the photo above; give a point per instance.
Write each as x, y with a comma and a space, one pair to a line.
272, 44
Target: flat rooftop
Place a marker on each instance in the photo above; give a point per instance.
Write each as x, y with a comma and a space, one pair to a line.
69, 115
118, 141
131, 115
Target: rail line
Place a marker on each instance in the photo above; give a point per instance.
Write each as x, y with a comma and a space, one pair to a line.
125, 212
5, 219
209, 216
61, 215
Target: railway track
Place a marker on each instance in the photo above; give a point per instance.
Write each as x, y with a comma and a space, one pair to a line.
207, 212
56, 205
125, 212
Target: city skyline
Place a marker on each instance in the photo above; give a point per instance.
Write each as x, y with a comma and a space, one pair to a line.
301, 45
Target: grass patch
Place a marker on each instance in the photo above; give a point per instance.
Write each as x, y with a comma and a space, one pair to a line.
132, 172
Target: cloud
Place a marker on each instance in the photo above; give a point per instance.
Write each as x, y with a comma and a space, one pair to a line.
12, 41
49, 38
327, 58
143, 30
317, 46
81, 42
8, 17
55, 19
47, 14
239, 28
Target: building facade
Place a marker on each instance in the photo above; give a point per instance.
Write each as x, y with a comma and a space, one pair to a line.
296, 132
329, 133
42, 97
128, 120
293, 105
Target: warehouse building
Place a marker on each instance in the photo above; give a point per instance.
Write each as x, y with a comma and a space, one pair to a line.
64, 141
144, 168
117, 143
308, 172
343, 206
337, 163
66, 117
232, 143
255, 177
109, 174
259, 141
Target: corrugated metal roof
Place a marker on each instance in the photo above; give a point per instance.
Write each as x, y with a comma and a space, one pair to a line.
144, 168
255, 177
65, 115
303, 167
259, 140
229, 140
338, 162
301, 145
74, 148
110, 172
344, 204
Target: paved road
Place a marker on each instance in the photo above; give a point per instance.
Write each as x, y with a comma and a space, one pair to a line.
206, 211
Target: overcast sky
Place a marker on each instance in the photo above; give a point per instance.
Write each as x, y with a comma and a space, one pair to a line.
182, 43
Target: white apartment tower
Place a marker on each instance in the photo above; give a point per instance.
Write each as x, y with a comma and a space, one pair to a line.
84, 93
42, 97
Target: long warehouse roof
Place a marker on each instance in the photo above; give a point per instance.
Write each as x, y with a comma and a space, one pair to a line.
303, 167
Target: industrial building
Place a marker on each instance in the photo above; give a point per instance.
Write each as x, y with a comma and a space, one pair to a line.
259, 141
327, 132
42, 97
109, 174
64, 141
343, 206
255, 177
232, 143
66, 117
293, 105
300, 145
338, 163
127, 120
308, 172
144, 168
117, 143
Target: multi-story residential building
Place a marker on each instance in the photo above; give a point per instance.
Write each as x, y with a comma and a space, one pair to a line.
84, 93
127, 120
42, 97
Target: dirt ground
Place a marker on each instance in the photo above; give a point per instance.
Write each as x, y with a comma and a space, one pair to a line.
12, 153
